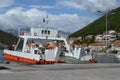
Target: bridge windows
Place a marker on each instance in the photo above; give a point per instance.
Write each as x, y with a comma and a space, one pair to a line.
42, 32
48, 32
45, 32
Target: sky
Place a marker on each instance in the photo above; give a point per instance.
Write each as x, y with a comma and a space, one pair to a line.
65, 15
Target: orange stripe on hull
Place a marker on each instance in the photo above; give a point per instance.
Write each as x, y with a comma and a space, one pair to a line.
17, 58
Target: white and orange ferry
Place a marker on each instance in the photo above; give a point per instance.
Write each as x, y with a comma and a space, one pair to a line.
41, 45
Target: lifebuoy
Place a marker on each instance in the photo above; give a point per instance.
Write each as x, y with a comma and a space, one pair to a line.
35, 34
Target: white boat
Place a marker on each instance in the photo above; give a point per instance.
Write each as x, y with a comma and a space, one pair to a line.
41, 37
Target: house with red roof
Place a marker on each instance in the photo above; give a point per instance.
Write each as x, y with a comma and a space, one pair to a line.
98, 47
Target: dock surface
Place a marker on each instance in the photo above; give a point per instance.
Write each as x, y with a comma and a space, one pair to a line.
60, 72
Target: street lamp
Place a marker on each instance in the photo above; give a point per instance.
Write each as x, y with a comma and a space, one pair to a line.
106, 23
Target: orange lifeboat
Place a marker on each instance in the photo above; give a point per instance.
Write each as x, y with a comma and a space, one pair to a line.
50, 47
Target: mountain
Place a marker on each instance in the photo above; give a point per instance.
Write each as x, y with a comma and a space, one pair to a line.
62, 33
99, 25
12, 31
6, 39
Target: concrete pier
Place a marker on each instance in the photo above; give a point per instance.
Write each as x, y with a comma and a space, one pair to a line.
60, 72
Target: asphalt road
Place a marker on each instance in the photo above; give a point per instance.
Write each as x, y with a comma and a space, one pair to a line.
60, 72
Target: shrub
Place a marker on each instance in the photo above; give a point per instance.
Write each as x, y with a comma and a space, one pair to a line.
114, 51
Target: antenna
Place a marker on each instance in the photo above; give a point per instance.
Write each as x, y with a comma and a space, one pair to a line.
45, 20
19, 30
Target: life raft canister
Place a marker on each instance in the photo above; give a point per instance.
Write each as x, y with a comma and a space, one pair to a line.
35, 34
23, 33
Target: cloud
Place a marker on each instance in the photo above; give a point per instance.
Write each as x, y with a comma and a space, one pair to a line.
70, 4
90, 5
69, 22
13, 18
6, 3
41, 7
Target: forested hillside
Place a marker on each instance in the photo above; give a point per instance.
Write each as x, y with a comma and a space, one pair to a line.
98, 26
6, 38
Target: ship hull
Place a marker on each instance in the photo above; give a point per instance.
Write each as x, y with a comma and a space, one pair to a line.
26, 57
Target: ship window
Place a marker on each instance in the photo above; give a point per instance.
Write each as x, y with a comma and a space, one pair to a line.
45, 31
48, 32
42, 32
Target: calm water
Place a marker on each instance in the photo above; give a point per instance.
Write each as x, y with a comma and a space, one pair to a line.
1, 56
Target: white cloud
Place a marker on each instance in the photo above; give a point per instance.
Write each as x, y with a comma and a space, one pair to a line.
69, 22
90, 5
70, 4
6, 3
33, 17
41, 7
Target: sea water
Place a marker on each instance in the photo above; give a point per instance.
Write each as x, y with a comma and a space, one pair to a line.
1, 56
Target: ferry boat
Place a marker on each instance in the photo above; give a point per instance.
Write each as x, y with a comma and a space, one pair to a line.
41, 45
